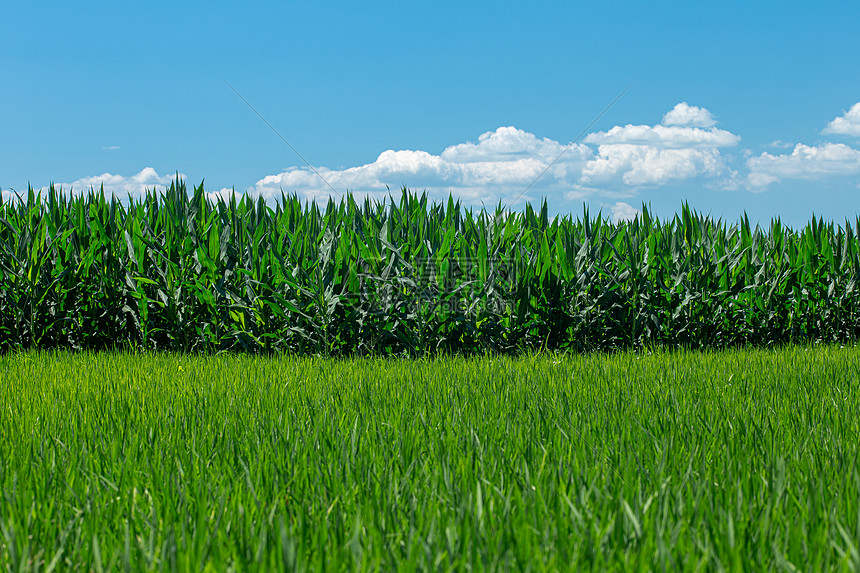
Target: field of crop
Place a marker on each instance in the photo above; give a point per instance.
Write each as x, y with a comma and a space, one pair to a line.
177, 272
738, 459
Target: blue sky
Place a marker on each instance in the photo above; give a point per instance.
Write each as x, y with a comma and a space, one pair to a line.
736, 106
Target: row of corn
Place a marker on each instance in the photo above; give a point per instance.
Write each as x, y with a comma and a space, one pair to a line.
179, 271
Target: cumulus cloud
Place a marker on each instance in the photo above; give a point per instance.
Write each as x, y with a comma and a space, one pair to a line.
623, 212
804, 162
846, 124
119, 185
642, 165
7, 195
616, 164
225, 193
667, 137
685, 146
504, 144
501, 164
686, 115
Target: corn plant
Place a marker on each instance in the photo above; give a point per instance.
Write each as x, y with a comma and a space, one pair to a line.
178, 271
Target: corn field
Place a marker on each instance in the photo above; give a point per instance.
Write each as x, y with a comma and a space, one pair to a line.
174, 271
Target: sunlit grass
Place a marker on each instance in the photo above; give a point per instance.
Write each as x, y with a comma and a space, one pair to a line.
738, 460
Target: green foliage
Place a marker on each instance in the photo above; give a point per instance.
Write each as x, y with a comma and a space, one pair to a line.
739, 460
180, 272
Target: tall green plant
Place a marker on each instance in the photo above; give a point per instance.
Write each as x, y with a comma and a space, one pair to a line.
179, 270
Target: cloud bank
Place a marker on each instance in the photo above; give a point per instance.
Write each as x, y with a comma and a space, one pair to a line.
511, 165
810, 162
502, 164
135, 185
805, 162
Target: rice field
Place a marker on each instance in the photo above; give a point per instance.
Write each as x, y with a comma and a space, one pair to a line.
742, 459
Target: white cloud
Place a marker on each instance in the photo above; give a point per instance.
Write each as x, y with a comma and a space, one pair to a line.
686, 115
642, 165
644, 155
804, 162
668, 137
504, 144
499, 166
119, 185
846, 124
224, 193
110, 147
615, 165
624, 212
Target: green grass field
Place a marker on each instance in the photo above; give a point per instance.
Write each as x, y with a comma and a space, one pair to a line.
742, 459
